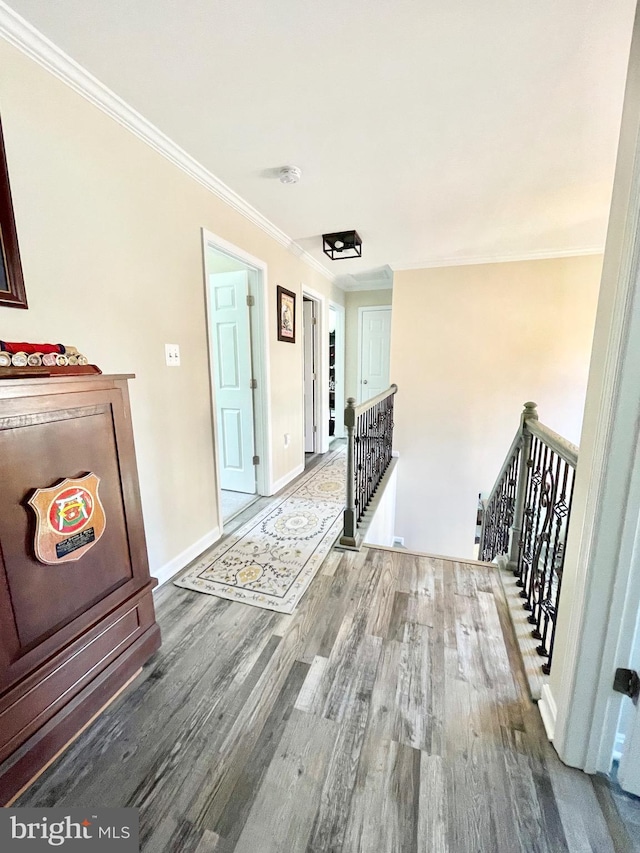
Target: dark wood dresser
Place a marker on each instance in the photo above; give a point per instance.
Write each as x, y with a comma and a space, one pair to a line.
76, 611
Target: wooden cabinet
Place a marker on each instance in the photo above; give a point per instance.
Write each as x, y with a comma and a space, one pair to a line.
72, 631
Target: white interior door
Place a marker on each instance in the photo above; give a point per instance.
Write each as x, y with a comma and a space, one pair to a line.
232, 372
308, 326
375, 336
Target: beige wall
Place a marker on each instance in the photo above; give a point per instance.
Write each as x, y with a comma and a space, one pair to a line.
110, 239
353, 300
469, 345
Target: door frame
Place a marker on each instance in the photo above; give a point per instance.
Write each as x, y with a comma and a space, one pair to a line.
361, 310
239, 280
322, 368
339, 366
310, 374
262, 417
601, 577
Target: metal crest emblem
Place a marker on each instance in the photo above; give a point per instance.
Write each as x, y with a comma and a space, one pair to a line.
70, 519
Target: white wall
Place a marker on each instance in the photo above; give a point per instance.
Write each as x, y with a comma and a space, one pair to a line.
110, 239
381, 531
469, 345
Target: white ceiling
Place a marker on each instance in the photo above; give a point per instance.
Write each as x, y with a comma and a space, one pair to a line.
444, 131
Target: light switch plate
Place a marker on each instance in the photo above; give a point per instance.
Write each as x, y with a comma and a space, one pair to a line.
172, 355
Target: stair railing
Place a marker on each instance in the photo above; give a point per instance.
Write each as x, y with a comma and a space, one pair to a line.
526, 518
369, 449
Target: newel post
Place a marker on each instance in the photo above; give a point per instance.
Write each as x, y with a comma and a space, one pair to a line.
530, 412
349, 534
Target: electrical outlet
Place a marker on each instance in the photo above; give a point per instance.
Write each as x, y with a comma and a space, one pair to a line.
172, 355
287, 439
398, 542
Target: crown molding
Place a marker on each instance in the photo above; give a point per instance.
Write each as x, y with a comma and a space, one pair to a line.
500, 259
380, 278
34, 44
364, 285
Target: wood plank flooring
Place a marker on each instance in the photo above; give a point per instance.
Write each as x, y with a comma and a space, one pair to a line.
388, 714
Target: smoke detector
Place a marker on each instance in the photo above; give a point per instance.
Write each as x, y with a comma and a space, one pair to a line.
290, 175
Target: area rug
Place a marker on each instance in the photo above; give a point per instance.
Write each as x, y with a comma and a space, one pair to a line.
271, 560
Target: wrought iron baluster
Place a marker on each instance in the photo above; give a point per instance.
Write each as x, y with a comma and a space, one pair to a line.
564, 512
541, 516
370, 443
361, 449
539, 530
547, 591
512, 482
543, 570
367, 466
498, 514
370, 446
526, 470
367, 459
533, 497
526, 553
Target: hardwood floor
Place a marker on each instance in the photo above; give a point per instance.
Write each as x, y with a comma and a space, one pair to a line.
388, 714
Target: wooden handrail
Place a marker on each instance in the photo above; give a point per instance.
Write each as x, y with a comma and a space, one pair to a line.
353, 411
515, 444
564, 448
530, 413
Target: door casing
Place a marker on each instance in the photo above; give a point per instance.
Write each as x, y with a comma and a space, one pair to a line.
339, 367
258, 288
322, 368
310, 382
230, 326
361, 311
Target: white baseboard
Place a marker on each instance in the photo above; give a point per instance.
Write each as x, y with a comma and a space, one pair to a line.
284, 481
166, 572
548, 710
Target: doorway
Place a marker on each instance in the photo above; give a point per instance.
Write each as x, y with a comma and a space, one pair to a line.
234, 296
315, 378
310, 370
374, 337
336, 370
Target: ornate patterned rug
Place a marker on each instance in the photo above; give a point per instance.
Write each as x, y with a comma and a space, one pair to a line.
271, 560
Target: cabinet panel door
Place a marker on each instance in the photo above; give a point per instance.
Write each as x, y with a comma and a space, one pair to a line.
43, 604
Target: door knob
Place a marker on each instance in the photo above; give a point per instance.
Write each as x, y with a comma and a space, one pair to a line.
364, 381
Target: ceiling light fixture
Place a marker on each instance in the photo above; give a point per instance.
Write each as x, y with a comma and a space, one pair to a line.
290, 175
342, 244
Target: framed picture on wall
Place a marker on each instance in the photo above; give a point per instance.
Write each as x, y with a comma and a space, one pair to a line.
286, 315
12, 292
